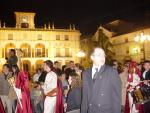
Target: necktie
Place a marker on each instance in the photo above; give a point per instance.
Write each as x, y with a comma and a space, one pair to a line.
5, 76
95, 75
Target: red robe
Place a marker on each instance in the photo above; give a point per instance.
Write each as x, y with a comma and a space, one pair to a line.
59, 100
139, 106
1, 107
23, 83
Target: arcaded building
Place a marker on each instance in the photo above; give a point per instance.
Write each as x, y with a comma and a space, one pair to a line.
38, 44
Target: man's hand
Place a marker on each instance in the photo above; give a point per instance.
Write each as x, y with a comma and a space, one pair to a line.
145, 82
52, 92
65, 106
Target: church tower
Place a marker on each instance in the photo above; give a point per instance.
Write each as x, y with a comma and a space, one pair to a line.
25, 20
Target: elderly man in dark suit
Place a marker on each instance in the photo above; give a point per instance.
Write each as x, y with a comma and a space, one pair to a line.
101, 87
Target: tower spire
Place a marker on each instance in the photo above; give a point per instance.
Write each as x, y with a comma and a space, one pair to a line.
70, 27
4, 25
49, 25
74, 28
44, 26
53, 26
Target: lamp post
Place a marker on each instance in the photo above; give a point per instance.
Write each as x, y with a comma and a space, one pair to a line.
80, 54
142, 39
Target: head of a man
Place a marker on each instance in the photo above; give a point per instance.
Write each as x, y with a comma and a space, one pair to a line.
98, 56
6, 68
147, 65
12, 52
56, 64
48, 65
71, 64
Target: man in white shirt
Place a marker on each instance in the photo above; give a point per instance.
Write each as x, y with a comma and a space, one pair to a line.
50, 88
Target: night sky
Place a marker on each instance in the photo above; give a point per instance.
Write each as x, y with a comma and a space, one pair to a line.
87, 15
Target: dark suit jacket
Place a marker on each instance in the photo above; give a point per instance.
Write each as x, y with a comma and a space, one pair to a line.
147, 76
103, 96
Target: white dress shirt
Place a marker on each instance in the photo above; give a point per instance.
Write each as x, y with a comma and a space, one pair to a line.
94, 70
144, 74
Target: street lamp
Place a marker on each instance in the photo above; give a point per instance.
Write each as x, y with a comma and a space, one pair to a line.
142, 39
80, 54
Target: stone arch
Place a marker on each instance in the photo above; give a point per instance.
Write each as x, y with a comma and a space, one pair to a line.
39, 64
8, 47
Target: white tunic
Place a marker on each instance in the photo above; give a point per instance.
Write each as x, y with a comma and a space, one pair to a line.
50, 84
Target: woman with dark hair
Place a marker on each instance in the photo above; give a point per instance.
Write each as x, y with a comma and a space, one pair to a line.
12, 94
15, 69
74, 94
52, 90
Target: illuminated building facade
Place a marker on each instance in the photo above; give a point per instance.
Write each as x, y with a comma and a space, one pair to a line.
122, 35
38, 44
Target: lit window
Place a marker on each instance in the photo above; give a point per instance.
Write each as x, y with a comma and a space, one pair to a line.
57, 37
39, 37
25, 36
66, 37
67, 52
57, 52
25, 52
39, 52
10, 36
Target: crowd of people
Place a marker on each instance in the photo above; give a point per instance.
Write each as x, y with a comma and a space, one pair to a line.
120, 88
135, 86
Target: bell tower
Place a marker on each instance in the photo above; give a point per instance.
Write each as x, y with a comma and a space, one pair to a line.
25, 20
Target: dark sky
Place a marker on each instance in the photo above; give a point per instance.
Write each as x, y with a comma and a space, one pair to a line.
87, 15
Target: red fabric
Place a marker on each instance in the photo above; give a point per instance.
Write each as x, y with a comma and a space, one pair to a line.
23, 83
132, 67
59, 99
1, 107
127, 108
140, 107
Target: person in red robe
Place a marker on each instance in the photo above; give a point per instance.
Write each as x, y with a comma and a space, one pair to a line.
22, 83
134, 78
1, 107
59, 99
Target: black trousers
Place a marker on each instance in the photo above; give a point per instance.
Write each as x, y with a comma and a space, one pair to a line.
147, 107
